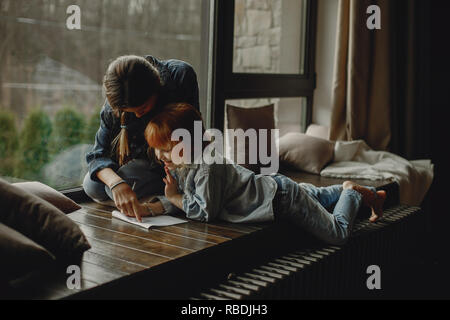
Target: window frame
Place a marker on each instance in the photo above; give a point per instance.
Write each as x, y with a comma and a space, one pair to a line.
230, 85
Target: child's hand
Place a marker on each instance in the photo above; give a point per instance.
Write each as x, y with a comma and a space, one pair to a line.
151, 209
171, 188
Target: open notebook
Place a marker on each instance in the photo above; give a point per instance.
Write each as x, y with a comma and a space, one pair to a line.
147, 222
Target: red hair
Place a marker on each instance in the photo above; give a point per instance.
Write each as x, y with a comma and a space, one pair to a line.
173, 116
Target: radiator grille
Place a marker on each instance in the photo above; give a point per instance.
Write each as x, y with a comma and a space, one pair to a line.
326, 271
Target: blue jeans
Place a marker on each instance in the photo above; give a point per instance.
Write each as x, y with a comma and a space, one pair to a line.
305, 205
147, 180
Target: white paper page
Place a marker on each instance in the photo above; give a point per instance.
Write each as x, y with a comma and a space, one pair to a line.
147, 222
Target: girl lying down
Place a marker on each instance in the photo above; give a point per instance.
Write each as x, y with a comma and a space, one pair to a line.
229, 192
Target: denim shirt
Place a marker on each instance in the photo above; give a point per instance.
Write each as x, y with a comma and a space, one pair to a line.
227, 192
179, 85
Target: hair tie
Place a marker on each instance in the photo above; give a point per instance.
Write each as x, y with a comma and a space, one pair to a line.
123, 126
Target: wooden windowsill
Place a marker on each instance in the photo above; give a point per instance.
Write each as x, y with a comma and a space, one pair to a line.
128, 261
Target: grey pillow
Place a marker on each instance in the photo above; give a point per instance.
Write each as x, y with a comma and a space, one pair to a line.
20, 255
42, 222
49, 194
304, 152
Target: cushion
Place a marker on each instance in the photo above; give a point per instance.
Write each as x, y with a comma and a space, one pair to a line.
247, 118
42, 222
49, 194
20, 255
304, 152
318, 131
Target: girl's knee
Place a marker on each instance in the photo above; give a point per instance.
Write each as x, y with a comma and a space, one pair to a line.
95, 190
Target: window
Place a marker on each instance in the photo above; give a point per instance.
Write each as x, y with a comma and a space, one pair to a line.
246, 52
265, 50
269, 36
51, 77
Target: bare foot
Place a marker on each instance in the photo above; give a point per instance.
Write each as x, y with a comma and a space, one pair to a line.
377, 207
370, 199
368, 196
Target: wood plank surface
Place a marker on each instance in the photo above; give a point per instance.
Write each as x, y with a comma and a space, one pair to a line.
119, 249
187, 233
122, 227
111, 263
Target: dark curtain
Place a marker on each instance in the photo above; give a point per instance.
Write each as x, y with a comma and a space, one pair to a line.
420, 120
411, 80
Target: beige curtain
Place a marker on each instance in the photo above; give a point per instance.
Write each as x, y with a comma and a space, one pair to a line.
361, 94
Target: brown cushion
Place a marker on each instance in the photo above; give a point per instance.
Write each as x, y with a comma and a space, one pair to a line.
20, 255
49, 194
42, 222
247, 118
304, 152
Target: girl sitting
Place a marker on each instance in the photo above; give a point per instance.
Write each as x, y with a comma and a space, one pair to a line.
229, 192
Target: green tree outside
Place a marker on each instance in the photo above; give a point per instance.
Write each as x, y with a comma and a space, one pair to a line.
33, 145
68, 130
9, 139
92, 127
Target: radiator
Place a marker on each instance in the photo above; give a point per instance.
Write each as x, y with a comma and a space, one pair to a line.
325, 271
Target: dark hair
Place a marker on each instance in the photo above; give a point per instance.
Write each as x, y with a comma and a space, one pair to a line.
129, 82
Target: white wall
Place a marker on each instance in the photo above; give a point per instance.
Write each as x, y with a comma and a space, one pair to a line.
325, 47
